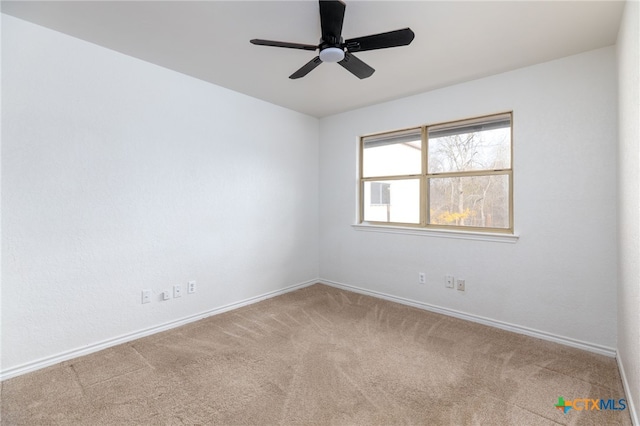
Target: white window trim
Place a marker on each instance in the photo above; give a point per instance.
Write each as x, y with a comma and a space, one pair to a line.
439, 233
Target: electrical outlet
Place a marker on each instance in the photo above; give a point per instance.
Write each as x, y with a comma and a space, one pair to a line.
191, 287
448, 281
146, 296
166, 295
422, 279
177, 290
460, 285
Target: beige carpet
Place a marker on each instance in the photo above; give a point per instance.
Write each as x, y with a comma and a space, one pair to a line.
320, 356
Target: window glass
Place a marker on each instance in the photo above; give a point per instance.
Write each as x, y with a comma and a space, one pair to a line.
477, 201
470, 147
392, 155
392, 201
380, 193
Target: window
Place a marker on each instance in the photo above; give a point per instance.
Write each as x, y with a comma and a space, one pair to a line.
454, 175
380, 195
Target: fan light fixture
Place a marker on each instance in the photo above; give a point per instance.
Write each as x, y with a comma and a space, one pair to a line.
332, 54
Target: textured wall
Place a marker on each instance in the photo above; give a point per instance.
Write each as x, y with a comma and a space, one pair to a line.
629, 201
560, 277
119, 175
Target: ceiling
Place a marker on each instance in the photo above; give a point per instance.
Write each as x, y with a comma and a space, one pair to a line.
455, 41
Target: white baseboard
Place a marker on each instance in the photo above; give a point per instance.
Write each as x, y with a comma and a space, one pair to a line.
591, 347
627, 390
74, 353
98, 346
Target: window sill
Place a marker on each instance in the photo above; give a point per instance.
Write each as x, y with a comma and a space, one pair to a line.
439, 233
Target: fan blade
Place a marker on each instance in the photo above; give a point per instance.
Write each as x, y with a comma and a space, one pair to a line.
380, 41
260, 42
355, 66
331, 19
306, 68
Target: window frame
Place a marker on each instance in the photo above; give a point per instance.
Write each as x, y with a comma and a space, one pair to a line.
424, 178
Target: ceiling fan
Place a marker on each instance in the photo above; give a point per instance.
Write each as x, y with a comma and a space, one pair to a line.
334, 49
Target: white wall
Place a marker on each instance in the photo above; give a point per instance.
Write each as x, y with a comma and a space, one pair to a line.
1, 203
560, 276
629, 203
118, 175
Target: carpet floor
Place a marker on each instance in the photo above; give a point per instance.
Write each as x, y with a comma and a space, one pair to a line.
325, 356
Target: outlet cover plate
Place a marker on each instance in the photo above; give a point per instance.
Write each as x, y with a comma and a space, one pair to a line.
448, 281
